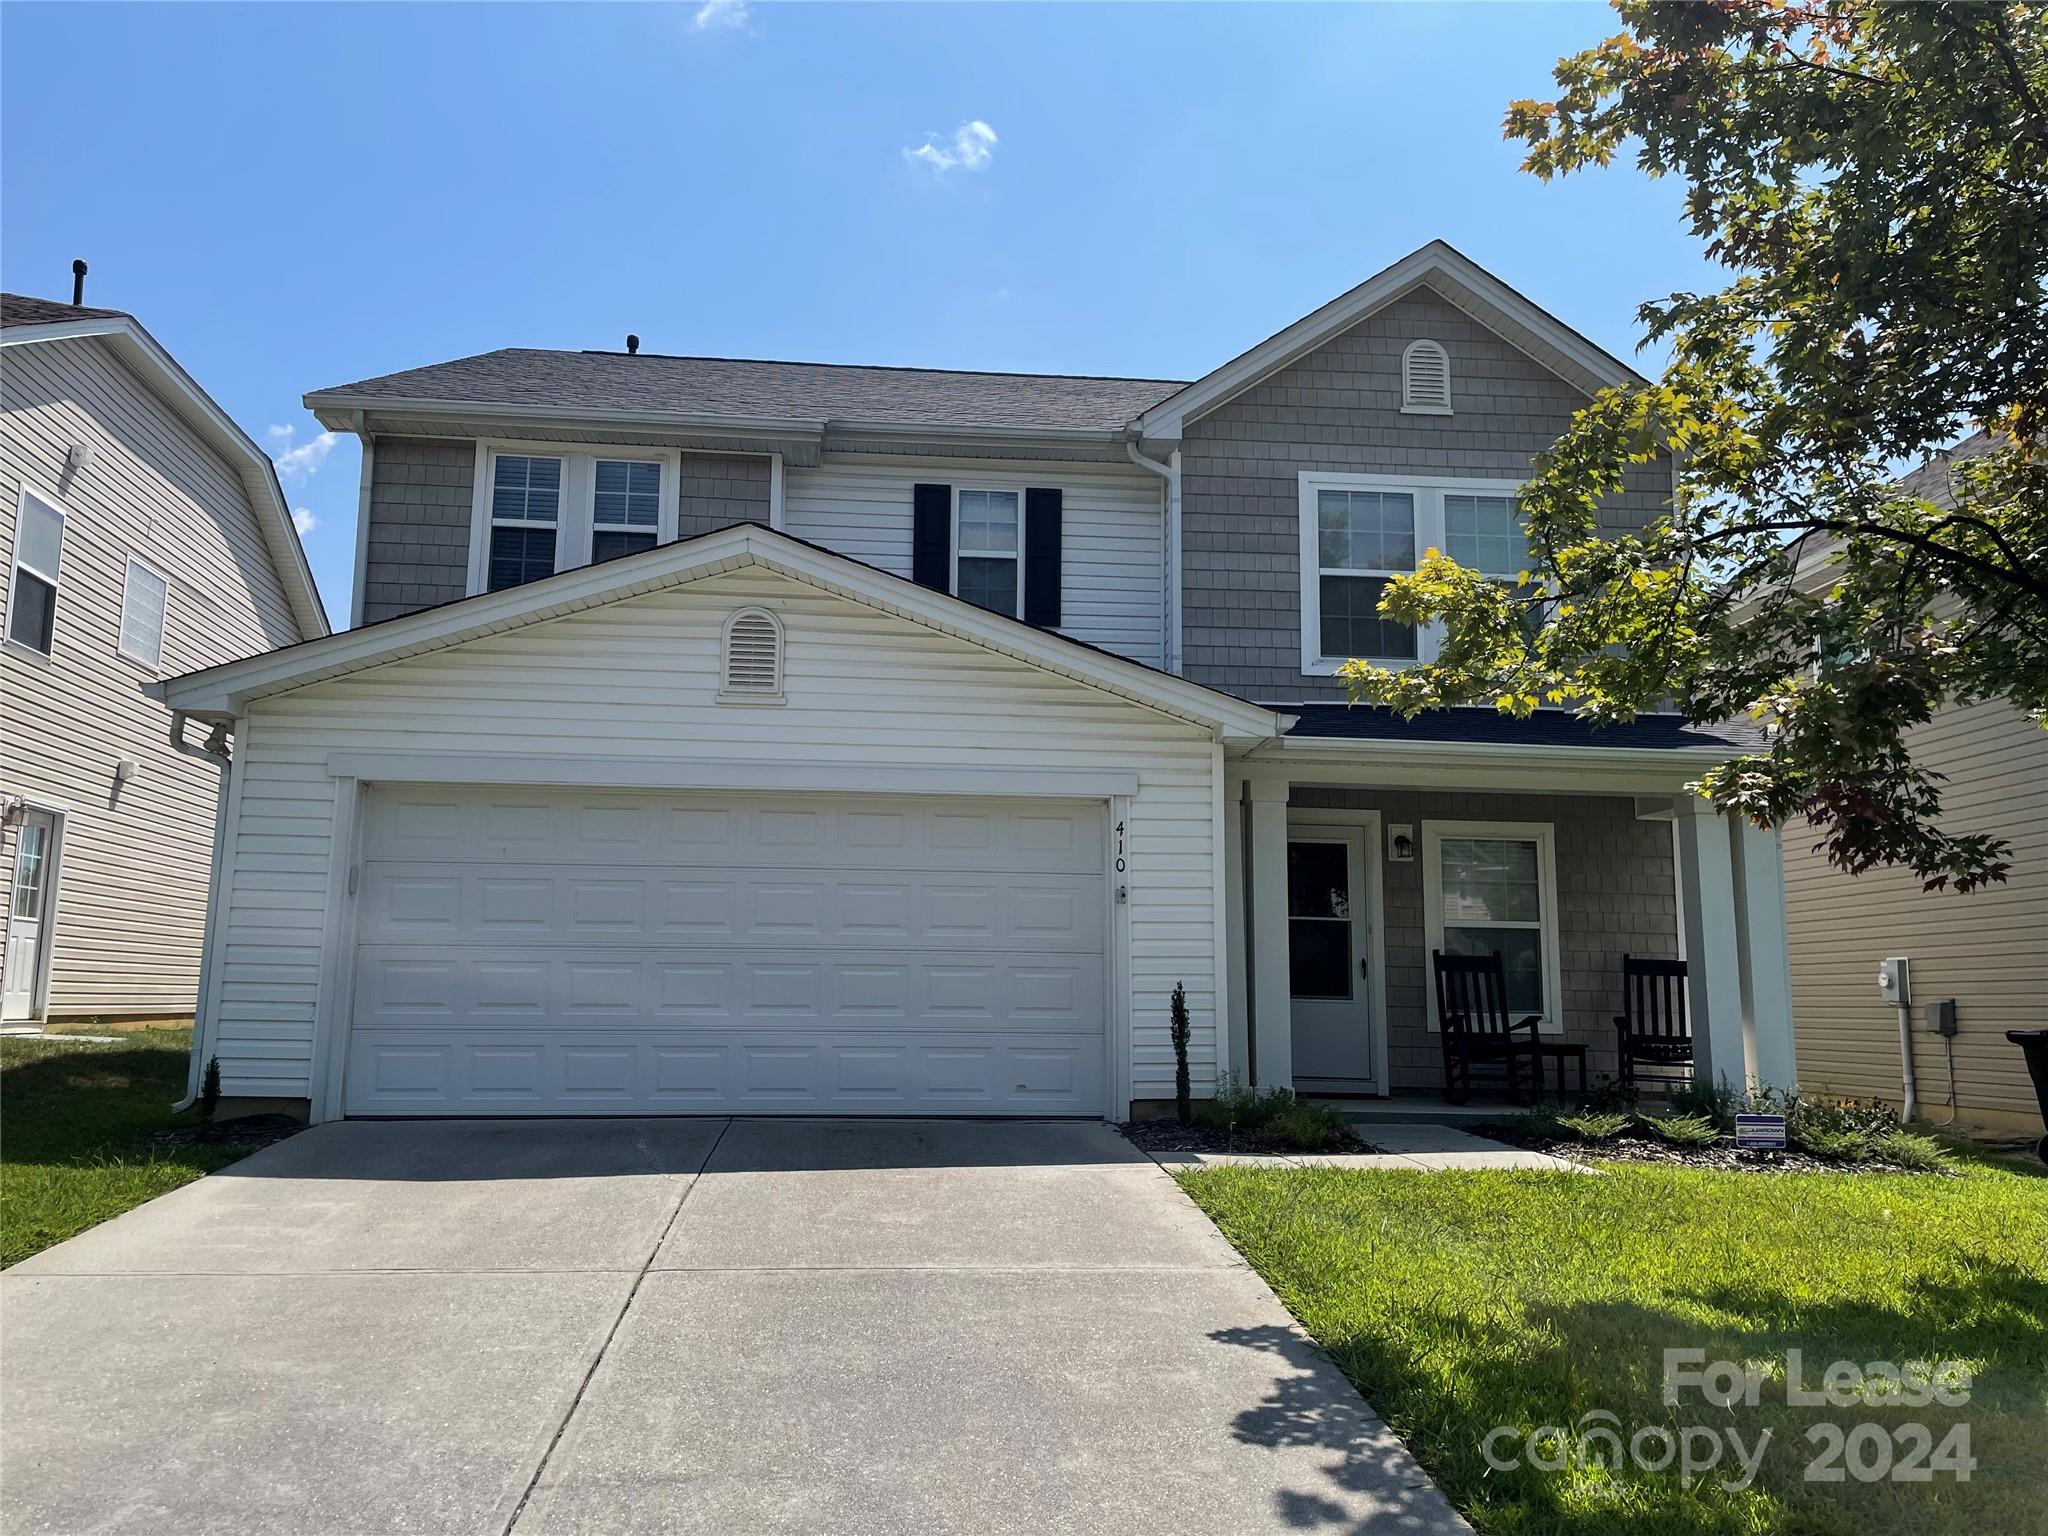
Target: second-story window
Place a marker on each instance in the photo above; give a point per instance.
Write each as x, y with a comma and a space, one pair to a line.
1362, 539
986, 551
625, 515
38, 565
526, 515
1485, 533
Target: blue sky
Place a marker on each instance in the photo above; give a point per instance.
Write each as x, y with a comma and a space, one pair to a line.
296, 196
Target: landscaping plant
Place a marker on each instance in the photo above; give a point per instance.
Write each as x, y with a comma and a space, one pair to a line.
1183, 1095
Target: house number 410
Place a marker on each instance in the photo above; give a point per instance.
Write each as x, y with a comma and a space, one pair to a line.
1121, 864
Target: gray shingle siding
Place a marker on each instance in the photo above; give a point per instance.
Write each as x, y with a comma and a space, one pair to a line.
1338, 409
720, 489
1614, 892
421, 491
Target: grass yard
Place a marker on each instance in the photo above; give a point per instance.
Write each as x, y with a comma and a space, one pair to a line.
75, 1129
1463, 1301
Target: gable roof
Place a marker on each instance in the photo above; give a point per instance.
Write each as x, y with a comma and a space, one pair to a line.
224, 691
1449, 273
26, 321
693, 390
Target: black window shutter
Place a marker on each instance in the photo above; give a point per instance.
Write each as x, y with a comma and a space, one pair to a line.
1042, 512
931, 536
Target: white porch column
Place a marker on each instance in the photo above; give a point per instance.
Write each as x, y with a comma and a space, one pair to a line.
1271, 1000
1236, 1005
1706, 881
1766, 963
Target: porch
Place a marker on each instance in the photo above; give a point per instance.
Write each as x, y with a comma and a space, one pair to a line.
1351, 860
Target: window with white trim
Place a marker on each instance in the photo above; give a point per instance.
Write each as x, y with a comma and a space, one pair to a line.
1490, 888
986, 567
1426, 379
143, 601
526, 517
1360, 531
38, 569
543, 508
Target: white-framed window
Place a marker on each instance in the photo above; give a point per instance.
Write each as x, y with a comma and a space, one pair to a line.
38, 572
1359, 531
1490, 887
1425, 379
540, 508
143, 601
750, 652
987, 540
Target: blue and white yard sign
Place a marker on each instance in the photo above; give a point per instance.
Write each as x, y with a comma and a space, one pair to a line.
1760, 1133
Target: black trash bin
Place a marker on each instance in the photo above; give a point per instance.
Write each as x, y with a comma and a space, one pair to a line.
2034, 1044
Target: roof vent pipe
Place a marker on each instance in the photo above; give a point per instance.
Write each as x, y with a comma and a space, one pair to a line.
77, 283
632, 346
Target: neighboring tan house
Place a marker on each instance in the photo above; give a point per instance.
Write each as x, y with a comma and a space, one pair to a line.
792, 738
142, 535
1986, 952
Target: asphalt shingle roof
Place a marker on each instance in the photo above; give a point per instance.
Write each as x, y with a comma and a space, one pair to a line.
723, 386
24, 309
1545, 728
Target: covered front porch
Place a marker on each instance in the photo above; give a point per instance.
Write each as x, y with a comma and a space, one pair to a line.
1353, 857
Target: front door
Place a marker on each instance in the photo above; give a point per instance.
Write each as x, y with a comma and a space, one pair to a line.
25, 950
1329, 942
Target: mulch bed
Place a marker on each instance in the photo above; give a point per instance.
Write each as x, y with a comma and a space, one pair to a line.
251, 1131
1722, 1156
1172, 1136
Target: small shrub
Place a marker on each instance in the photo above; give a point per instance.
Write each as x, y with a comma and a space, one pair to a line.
1181, 1031
1717, 1102
209, 1092
1908, 1149
1682, 1130
1303, 1125
1842, 1146
1540, 1123
1602, 1126
1212, 1115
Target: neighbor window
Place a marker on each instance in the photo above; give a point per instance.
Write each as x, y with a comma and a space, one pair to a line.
526, 515
986, 565
1490, 889
625, 514
1358, 532
142, 615
38, 562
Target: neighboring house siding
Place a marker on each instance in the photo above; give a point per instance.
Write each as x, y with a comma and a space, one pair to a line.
1338, 409
720, 489
1615, 891
1988, 950
637, 679
131, 895
1112, 586
422, 493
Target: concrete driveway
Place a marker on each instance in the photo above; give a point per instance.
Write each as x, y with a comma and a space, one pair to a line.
680, 1325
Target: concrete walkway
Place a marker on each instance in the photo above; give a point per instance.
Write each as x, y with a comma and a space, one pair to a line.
1400, 1146
642, 1326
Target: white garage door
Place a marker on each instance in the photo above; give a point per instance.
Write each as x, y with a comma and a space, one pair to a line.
578, 952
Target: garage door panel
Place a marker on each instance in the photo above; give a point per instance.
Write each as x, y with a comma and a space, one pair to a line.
578, 952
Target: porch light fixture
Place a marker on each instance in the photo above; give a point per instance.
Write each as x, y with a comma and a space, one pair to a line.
1400, 845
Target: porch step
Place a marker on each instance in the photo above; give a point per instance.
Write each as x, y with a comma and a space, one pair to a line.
1416, 1111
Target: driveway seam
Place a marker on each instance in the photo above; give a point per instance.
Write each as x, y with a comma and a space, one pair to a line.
604, 1348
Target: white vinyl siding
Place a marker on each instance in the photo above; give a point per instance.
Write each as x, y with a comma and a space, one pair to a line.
132, 896
639, 678
1112, 583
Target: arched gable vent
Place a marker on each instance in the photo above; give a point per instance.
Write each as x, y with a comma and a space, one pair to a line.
751, 655
1426, 378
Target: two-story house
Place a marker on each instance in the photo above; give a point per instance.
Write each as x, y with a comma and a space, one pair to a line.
778, 737
142, 535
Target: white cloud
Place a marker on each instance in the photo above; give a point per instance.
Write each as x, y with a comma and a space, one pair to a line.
304, 520
295, 461
973, 146
721, 15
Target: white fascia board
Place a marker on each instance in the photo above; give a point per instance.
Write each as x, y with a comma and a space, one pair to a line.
343, 408
1167, 419
225, 691
141, 352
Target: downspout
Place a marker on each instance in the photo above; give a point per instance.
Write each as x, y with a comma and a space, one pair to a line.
1169, 549
215, 752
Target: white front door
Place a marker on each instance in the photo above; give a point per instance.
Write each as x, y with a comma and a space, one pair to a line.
1329, 949
33, 875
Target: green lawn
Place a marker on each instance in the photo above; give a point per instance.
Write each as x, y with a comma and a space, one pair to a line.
1462, 1301
75, 1129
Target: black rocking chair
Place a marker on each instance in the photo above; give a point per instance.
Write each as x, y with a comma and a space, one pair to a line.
1473, 1024
1653, 1026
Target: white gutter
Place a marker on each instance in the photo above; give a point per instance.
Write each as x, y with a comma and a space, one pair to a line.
215, 752
1169, 555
